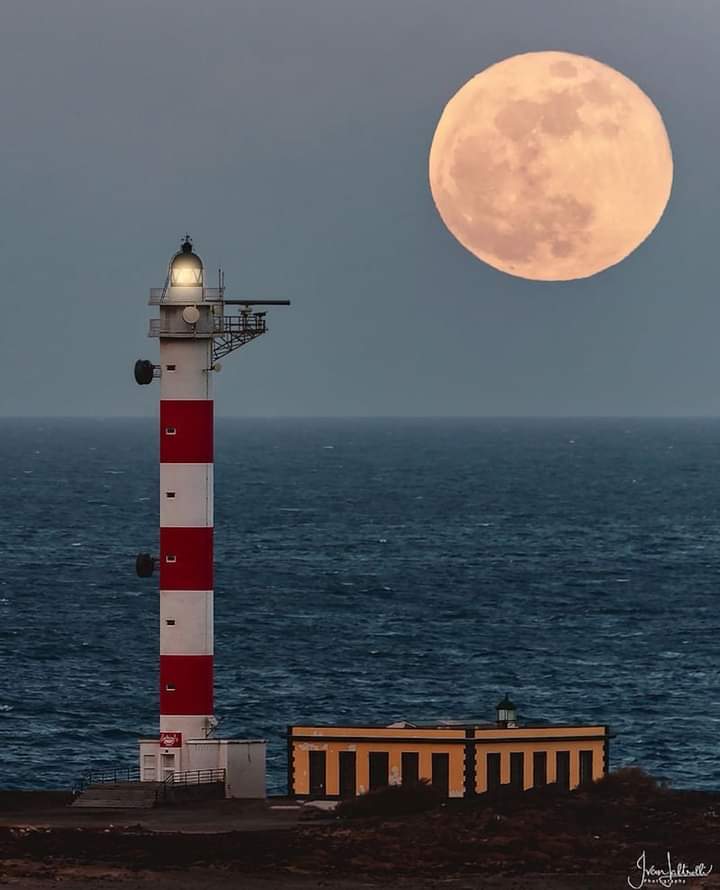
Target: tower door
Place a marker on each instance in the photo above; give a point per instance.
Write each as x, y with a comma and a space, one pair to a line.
348, 785
441, 773
317, 773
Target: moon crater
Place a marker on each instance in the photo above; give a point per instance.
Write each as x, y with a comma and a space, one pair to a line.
550, 166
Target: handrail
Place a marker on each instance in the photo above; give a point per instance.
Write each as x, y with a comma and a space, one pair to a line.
162, 790
104, 777
132, 774
197, 777
189, 777
254, 324
209, 295
229, 324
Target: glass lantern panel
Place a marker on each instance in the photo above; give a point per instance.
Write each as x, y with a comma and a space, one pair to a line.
186, 276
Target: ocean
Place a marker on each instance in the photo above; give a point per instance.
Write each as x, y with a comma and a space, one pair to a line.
371, 570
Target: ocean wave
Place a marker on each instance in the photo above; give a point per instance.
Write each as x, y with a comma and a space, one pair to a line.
381, 592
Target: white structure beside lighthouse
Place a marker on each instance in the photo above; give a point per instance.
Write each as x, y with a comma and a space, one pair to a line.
194, 332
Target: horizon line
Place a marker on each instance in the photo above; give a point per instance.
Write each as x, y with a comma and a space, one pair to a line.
44, 417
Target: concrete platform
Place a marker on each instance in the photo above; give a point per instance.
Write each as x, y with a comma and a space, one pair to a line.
39, 810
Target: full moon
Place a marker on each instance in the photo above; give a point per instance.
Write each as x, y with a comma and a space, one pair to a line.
550, 166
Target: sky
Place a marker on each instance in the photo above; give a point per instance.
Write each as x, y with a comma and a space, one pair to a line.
291, 140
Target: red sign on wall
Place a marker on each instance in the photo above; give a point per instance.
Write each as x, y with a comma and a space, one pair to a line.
171, 740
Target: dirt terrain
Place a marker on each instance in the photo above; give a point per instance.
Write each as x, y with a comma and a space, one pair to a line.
537, 840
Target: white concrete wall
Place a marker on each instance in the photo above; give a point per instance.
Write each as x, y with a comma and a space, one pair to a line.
190, 379
186, 495
204, 755
192, 612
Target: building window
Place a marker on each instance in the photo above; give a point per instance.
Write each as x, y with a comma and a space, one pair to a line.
562, 769
539, 769
441, 773
169, 687
170, 558
170, 622
347, 766
317, 772
586, 767
493, 772
517, 770
170, 430
379, 769
169, 494
170, 367
410, 767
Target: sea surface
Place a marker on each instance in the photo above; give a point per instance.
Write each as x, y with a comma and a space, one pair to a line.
371, 570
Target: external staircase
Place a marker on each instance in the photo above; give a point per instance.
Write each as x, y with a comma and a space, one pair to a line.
120, 795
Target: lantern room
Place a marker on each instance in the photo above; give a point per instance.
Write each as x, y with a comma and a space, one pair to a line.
186, 268
506, 712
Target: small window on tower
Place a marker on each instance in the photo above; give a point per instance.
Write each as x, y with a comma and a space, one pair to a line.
169, 494
171, 558
169, 687
170, 621
169, 430
170, 367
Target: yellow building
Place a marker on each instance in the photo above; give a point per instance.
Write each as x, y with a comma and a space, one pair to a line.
459, 759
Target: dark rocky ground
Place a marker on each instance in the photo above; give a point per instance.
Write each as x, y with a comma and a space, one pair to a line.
539, 840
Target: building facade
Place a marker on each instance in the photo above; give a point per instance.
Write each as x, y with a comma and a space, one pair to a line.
459, 760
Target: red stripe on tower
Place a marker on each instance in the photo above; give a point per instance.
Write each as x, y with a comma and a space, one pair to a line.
186, 684
186, 431
186, 558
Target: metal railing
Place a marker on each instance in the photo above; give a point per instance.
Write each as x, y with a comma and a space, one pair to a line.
187, 778
239, 324
132, 774
210, 295
198, 777
106, 777
225, 325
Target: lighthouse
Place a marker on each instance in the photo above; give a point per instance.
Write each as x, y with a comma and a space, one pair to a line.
195, 329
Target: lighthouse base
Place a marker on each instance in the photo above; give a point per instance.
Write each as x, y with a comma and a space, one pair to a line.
243, 762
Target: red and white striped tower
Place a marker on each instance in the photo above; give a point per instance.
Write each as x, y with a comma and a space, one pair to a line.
186, 509
194, 332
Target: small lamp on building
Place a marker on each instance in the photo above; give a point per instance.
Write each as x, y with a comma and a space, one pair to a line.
506, 713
